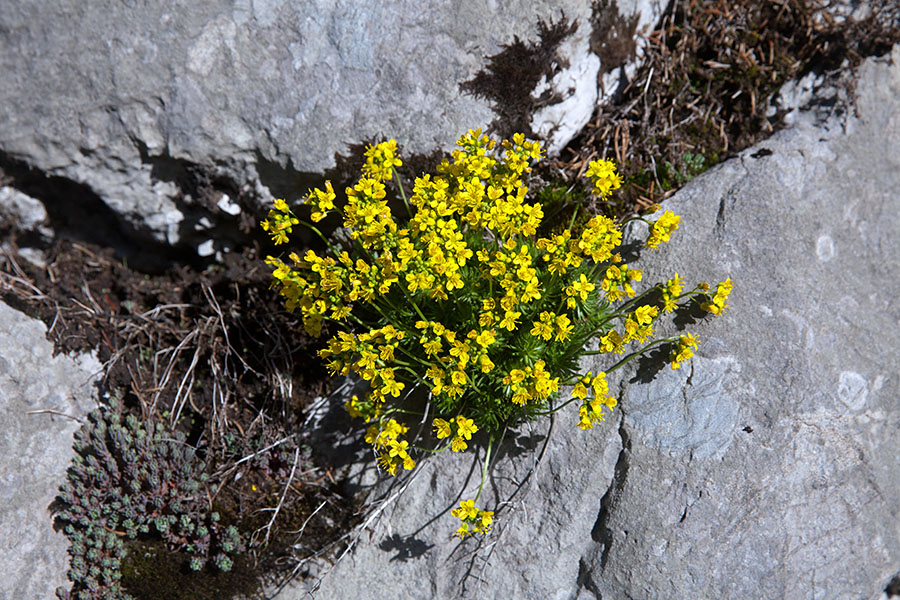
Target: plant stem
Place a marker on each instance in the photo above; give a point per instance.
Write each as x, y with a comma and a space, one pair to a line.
638, 352
321, 236
484, 469
403, 193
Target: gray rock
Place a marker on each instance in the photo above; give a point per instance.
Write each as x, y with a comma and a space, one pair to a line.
580, 85
133, 100
37, 391
765, 468
774, 466
28, 213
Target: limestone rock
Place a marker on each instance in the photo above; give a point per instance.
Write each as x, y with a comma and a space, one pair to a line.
158, 110
766, 467
36, 449
769, 465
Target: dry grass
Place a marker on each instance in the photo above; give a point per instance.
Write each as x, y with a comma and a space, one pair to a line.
711, 71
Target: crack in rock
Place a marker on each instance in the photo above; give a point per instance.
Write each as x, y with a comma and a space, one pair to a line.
601, 533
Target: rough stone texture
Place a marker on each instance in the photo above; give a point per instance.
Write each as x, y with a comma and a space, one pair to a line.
764, 468
775, 474
133, 99
580, 85
35, 450
28, 213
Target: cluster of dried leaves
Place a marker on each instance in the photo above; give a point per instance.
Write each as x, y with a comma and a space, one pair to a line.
710, 73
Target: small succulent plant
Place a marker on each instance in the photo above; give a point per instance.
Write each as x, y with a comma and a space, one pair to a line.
127, 479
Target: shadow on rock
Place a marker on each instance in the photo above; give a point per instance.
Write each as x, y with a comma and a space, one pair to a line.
406, 547
650, 364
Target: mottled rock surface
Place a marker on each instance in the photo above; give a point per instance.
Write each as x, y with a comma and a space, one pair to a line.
152, 106
767, 467
35, 450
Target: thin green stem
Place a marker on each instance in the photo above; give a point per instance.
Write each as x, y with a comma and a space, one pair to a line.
637, 353
557, 408
574, 216
484, 469
432, 450
321, 236
403, 194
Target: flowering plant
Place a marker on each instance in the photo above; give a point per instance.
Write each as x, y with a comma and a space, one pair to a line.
470, 299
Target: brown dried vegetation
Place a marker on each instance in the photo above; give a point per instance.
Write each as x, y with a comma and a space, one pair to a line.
710, 73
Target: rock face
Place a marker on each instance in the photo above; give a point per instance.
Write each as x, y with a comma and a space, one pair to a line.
35, 450
764, 468
150, 107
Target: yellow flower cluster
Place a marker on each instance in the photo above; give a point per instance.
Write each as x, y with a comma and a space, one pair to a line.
639, 324
466, 281
604, 177
391, 451
472, 520
591, 410
719, 302
561, 252
447, 370
617, 282
671, 293
612, 342
531, 384
367, 355
662, 229
683, 350
600, 237
381, 160
280, 222
322, 202
460, 428
551, 325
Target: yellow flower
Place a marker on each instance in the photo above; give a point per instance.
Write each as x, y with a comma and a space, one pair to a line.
719, 303
442, 428
644, 315
671, 293
485, 518
393, 388
486, 338
563, 328
581, 288
465, 511
580, 391
381, 160
662, 229
542, 330
683, 350
466, 427
604, 176
323, 201
509, 320
458, 444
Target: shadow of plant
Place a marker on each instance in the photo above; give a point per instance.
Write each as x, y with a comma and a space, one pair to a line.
406, 547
